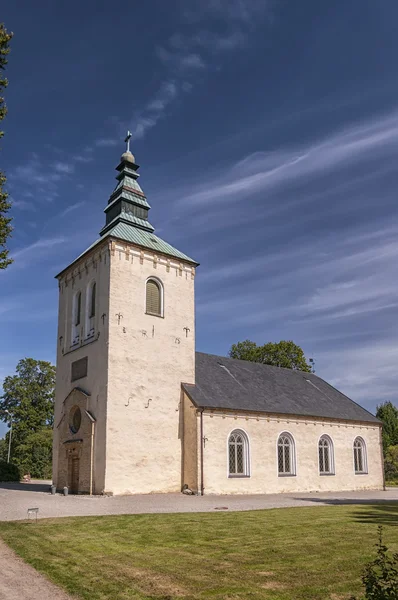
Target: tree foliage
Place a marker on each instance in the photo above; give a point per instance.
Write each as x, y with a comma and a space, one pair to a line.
3, 449
388, 414
35, 454
5, 227
391, 463
279, 354
9, 472
28, 400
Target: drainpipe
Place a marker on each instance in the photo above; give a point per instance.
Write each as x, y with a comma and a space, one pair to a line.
202, 489
382, 457
92, 457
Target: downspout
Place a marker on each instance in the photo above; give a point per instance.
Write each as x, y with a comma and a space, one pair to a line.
92, 457
202, 488
382, 456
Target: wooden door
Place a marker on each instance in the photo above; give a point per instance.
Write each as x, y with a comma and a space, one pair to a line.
74, 475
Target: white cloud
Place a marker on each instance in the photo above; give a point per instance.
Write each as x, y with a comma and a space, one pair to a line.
192, 61
24, 256
262, 171
70, 209
106, 142
63, 167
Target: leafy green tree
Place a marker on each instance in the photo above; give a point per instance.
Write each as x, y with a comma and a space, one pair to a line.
35, 454
3, 449
5, 227
279, 354
391, 463
388, 414
28, 400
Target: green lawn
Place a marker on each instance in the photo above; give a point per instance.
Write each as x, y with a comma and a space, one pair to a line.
285, 554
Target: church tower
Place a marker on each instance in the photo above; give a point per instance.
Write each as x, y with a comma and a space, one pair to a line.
126, 342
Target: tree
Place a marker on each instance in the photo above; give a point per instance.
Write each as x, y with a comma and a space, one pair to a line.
388, 414
3, 449
28, 401
391, 463
279, 354
35, 454
5, 227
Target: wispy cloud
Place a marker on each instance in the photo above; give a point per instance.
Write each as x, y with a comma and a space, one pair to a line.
20, 204
41, 178
24, 256
265, 170
105, 142
64, 167
70, 208
185, 57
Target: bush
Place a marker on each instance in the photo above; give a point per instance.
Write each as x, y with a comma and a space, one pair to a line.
380, 577
9, 472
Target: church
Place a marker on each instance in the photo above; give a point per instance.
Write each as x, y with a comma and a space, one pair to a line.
138, 411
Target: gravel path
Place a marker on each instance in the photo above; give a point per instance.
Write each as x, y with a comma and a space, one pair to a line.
19, 581
15, 499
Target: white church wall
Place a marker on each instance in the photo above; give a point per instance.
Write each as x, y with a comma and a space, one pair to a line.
263, 434
92, 267
149, 357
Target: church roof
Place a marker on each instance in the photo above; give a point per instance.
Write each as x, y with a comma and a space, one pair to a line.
230, 384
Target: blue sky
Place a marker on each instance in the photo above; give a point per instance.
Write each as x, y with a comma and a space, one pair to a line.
267, 134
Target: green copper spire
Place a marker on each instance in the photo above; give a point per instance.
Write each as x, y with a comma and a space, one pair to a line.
127, 203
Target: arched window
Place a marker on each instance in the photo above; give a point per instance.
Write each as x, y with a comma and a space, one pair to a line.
154, 297
360, 459
286, 455
238, 454
78, 310
326, 458
91, 300
76, 317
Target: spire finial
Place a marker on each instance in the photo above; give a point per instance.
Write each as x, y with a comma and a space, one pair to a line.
127, 140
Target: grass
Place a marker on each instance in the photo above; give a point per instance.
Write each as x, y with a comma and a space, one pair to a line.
308, 553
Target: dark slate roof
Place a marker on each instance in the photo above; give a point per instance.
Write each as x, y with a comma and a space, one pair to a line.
226, 383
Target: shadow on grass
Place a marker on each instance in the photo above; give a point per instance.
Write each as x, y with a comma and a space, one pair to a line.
39, 486
382, 512
379, 514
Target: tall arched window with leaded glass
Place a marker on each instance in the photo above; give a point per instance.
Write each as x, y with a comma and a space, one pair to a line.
360, 458
238, 454
326, 456
286, 455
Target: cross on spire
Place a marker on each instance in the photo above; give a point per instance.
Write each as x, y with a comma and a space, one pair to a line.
127, 140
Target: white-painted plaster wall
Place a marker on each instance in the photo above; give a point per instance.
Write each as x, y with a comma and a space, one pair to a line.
263, 434
149, 357
94, 265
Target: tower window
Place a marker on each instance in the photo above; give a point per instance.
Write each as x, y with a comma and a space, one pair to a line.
91, 299
154, 297
78, 311
76, 318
